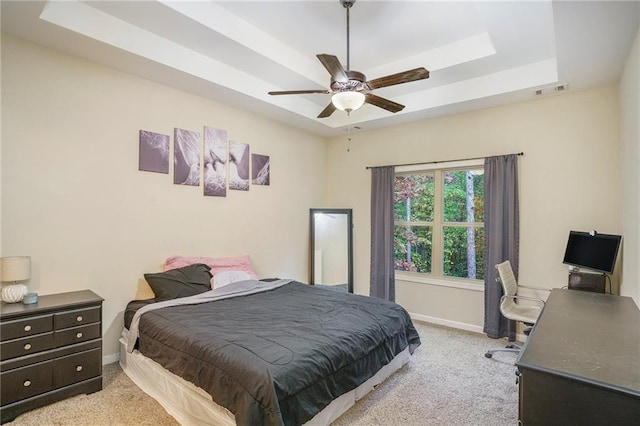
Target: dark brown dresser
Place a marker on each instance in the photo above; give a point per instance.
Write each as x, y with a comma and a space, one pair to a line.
49, 350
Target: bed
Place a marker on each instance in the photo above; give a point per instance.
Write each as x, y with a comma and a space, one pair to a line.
263, 353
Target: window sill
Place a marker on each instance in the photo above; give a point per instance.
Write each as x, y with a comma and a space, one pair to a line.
473, 285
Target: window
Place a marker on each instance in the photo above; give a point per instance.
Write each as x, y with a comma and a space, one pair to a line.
439, 228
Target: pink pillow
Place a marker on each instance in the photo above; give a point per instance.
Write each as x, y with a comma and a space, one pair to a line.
219, 264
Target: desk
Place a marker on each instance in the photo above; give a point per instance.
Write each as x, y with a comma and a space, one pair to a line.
581, 363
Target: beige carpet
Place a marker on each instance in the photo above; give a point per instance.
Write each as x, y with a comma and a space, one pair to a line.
447, 382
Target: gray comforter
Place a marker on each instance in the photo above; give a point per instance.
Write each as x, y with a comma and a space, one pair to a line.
278, 356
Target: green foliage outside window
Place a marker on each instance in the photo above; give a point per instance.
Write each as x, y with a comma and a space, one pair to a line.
456, 259
463, 246
413, 194
413, 202
414, 243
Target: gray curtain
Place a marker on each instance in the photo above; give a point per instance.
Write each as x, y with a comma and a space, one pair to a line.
502, 228
382, 283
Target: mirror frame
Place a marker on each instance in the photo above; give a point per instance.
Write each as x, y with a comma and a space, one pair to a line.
312, 236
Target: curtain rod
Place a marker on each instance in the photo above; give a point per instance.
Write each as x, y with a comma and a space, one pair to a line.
437, 162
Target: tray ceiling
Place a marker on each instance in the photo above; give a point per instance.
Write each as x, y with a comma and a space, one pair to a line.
479, 54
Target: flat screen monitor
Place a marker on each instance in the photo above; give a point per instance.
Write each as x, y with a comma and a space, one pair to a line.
592, 251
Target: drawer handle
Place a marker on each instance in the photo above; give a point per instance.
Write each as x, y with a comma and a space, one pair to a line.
27, 328
78, 335
27, 346
26, 383
79, 318
79, 368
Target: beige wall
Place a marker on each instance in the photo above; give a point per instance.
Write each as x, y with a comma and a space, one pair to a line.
568, 180
629, 174
74, 200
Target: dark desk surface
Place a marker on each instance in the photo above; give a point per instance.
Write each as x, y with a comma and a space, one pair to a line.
589, 337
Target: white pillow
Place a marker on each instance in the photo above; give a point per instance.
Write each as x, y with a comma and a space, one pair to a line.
227, 277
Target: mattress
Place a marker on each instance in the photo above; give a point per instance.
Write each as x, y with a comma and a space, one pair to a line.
192, 406
273, 353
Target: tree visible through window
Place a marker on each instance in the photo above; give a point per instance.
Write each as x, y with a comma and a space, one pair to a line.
439, 227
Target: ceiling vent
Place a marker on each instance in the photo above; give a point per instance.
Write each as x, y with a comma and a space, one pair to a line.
551, 90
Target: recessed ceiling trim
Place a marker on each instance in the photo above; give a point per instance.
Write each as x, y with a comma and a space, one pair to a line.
519, 78
456, 53
222, 21
93, 23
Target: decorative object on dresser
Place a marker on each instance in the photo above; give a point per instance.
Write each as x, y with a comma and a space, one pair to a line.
14, 268
49, 351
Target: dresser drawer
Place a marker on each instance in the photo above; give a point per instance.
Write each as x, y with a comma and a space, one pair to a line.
73, 335
26, 382
76, 318
77, 367
26, 346
25, 327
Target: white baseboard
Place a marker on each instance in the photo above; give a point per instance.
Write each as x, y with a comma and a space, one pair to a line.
447, 323
110, 359
459, 325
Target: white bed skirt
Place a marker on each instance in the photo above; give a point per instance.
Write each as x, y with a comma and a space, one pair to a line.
190, 405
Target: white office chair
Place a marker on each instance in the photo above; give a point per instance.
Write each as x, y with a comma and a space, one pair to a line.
511, 309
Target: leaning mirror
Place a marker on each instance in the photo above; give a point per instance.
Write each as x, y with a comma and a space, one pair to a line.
331, 256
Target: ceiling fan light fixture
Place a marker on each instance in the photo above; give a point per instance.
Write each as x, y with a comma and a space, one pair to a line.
350, 89
348, 100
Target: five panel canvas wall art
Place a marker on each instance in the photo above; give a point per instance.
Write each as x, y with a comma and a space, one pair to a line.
226, 164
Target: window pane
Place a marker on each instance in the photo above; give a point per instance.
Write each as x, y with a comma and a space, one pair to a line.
463, 252
413, 197
464, 196
412, 248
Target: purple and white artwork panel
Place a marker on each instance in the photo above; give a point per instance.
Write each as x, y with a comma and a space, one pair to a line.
186, 157
215, 162
260, 174
153, 152
239, 166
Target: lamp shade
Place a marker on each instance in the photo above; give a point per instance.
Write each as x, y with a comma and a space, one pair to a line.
16, 268
348, 100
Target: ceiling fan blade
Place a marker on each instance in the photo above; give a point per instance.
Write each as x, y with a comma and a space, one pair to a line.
333, 65
327, 111
399, 78
383, 103
299, 92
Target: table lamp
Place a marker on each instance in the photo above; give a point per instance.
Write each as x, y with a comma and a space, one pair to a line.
15, 268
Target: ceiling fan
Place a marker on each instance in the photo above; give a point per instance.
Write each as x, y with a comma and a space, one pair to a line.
350, 89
